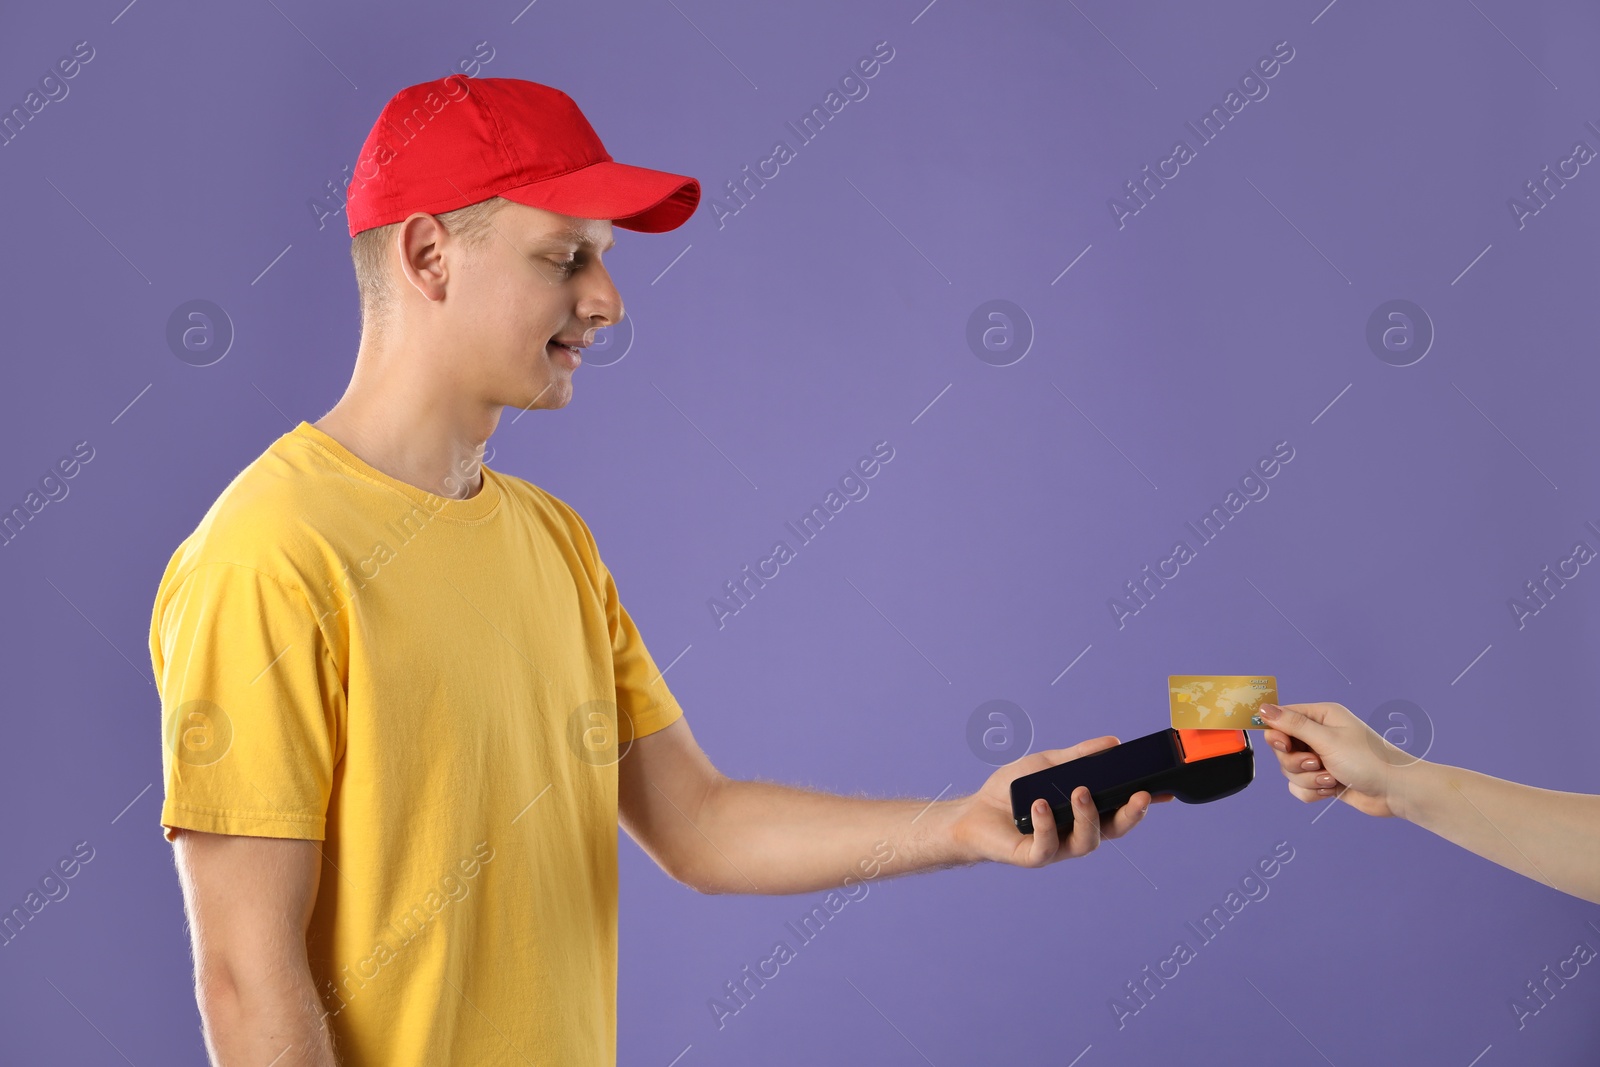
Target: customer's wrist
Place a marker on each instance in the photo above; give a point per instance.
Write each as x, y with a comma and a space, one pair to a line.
1411, 787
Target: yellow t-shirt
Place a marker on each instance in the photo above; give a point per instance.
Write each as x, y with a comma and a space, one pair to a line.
438, 690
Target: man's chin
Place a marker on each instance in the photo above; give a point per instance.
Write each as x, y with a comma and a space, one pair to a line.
555, 394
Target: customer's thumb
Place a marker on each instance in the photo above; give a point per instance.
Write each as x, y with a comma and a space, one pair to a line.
1293, 720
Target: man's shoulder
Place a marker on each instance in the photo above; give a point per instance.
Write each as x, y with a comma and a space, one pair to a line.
265, 518
559, 517
544, 500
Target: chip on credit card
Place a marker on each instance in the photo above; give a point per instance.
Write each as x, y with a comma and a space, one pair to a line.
1220, 701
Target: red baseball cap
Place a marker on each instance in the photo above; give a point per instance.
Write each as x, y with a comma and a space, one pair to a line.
454, 141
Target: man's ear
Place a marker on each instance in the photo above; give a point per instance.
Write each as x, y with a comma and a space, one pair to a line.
418, 245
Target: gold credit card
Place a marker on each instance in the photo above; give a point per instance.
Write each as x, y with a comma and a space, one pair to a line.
1220, 701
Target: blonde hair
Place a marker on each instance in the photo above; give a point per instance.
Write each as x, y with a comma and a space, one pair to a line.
370, 251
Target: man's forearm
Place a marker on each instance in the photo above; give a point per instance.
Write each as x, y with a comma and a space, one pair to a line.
766, 838
278, 1022
1550, 836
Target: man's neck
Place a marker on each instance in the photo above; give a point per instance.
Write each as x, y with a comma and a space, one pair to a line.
426, 449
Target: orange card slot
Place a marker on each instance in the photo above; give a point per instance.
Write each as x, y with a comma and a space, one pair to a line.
1204, 744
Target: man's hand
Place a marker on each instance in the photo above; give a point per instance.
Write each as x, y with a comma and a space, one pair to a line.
1337, 755
984, 829
722, 835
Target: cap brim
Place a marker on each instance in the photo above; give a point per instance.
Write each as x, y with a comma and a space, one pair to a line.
634, 198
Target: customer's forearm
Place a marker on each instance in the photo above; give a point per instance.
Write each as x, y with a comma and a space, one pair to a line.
766, 838
280, 1022
1550, 836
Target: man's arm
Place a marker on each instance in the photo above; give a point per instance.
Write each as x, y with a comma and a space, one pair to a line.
721, 835
249, 901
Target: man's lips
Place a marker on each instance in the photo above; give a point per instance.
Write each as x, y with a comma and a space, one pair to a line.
570, 350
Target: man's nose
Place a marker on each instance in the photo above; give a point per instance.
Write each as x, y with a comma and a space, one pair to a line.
601, 303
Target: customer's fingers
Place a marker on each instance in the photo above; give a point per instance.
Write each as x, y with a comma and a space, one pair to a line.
1303, 721
1294, 762
1312, 779
1311, 796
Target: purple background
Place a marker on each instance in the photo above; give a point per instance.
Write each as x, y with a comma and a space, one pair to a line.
827, 315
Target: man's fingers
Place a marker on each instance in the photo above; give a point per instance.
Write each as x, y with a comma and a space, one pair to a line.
1127, 816
1085, 823
1082, 748
1045, 838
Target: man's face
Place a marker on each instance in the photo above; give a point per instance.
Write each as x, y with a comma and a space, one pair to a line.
536, 279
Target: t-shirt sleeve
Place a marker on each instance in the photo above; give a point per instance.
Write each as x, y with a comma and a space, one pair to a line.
643, 698
252, 705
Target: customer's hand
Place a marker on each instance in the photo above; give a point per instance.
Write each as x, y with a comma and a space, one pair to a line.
1337, 755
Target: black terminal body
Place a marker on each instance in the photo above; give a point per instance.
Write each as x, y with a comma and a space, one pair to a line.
1196, 766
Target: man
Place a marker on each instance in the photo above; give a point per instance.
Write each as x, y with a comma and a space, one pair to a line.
404, 708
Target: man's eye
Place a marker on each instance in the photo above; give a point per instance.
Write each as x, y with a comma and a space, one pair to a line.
565, 266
